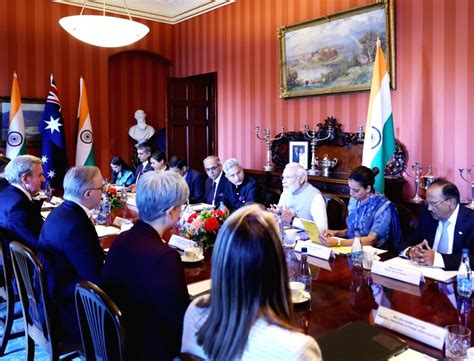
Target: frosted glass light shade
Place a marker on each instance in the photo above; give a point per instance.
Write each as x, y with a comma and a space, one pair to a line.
104, 31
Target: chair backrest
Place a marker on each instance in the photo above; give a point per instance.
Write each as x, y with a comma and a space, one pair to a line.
30, 279
407, 220
100, 322
336, 210
6, 284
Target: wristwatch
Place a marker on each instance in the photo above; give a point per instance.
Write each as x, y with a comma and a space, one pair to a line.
339, 242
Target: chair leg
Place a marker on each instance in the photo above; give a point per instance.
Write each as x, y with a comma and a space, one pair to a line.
7, 327
30, 348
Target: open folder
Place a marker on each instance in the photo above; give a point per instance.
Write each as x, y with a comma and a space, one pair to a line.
311, 229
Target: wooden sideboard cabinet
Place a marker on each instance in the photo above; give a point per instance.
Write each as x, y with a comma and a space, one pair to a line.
336, 184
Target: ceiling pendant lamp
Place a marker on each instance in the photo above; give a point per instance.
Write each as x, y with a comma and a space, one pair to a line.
104, 31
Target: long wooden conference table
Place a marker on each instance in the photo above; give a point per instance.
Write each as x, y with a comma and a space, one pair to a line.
341, 294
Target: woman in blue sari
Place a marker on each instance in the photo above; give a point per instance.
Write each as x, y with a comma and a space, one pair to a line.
371, 215
122, 175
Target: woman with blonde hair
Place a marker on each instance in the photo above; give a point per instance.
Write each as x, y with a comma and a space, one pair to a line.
249, 308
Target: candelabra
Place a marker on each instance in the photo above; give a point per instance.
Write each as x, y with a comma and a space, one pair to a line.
416, 171
313, 135
268, 142
468, 178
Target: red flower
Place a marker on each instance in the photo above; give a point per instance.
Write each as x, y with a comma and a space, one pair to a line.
192, 217
112, 191
211, 225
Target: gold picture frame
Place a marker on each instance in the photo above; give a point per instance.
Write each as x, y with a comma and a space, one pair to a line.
335, 53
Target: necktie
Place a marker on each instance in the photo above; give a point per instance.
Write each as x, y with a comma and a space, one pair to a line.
211, 193
443, 245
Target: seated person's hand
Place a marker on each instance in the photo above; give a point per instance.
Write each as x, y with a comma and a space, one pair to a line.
132, 188
287, 214
422, 254
327, 239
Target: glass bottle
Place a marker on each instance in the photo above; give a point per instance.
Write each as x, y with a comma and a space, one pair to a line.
305, 271
356, 251
464, 276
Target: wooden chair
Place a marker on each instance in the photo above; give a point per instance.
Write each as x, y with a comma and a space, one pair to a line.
336, 210
101, 324
271, 195
37, 308
7, 293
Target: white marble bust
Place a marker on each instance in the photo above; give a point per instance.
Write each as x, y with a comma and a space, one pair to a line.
141, 132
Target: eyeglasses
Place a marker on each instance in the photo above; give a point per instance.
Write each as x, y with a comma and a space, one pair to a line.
287, 177
141, 153
435, 205
211, 169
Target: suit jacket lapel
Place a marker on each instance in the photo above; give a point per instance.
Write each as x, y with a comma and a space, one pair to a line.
459, 231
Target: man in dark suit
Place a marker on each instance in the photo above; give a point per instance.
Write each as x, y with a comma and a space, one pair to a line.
444, 230
69, 245
143, 153
145, 277
241, 190
193, 178
216, 183
3, 164
20, 214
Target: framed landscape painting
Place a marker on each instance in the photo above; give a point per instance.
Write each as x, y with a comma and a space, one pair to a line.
335, 53
32, 113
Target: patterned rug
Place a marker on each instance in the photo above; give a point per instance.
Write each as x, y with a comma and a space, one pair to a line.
16, 350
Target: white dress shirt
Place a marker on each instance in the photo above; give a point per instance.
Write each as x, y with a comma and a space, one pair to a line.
438, 260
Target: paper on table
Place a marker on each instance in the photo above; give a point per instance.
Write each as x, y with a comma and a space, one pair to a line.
45, 214
435, 273
341, 250
198, 288
103, 231
411, 355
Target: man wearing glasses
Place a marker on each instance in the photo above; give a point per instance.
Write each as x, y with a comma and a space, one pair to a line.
216, 183
444, 230
143, 153
300, 199
69, 246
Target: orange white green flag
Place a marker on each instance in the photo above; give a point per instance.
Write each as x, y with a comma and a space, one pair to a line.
16, 142
379, 144
85, 141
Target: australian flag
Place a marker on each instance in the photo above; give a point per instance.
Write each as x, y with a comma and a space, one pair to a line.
53, 144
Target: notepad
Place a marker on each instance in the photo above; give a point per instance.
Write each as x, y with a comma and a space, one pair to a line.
198, 288
311, 229
103, 231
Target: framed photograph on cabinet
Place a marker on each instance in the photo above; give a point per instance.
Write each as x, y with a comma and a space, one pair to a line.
299, 153
32, 113
335, 53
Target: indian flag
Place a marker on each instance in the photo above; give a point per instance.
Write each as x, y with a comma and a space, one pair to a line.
379, 144
85, 142
16, 144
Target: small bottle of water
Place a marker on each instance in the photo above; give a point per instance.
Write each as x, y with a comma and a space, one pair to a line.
305, 271
356, 251
464, 277
223, 208
281, 228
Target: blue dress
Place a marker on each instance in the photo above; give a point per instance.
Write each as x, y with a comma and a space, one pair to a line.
375, 216
123, 178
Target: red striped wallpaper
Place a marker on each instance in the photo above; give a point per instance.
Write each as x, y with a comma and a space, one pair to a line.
33, 44
431, 105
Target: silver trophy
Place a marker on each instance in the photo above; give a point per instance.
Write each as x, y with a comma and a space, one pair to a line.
268, 142
326, 164
313, 135
467, 176
416, 173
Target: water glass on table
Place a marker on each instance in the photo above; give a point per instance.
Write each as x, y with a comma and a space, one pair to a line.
367, 258
458, 340
289, 239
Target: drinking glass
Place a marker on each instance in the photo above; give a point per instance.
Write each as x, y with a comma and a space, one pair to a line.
289, 239
458, 340
368, 258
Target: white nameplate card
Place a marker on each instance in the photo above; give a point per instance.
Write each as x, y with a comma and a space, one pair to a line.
180, 243
404, 274
198, 288
412, 327
315, 249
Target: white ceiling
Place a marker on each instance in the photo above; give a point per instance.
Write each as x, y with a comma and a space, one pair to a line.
165, 11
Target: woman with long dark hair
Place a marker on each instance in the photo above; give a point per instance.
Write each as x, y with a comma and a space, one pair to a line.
122, 175
371, 215
248, 314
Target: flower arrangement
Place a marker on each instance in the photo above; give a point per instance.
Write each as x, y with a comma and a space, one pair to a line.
114, 196
203, 226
